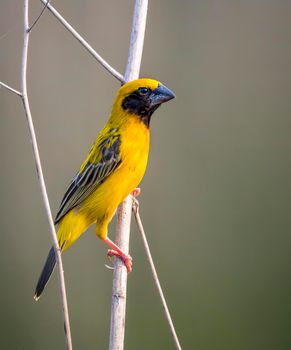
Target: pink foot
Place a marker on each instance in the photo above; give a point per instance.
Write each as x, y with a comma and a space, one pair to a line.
136, 192
116, 251
127, 259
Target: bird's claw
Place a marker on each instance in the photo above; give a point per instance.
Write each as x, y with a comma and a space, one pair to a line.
127, 259
135, 204
136, 192
109, 267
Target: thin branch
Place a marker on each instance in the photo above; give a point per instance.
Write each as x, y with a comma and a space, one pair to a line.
83, 42
118, 306
40, 174
155, 275
38, 17
10, 89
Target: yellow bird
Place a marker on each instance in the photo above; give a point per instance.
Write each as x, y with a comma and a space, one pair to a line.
113, 168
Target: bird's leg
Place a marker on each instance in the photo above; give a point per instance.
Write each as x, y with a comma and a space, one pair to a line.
116, 251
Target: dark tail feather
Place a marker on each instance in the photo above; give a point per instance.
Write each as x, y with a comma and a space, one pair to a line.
46, 273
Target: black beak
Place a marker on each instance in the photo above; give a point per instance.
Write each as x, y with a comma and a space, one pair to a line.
161, 94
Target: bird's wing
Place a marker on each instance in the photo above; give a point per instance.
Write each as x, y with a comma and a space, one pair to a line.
102, 160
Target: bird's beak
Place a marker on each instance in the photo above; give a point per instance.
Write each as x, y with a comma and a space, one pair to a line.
161, 94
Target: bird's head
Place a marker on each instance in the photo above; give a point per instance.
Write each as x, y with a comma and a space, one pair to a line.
140, 98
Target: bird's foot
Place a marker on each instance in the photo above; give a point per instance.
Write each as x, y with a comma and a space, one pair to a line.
116, 251
127, 259
135, 204
136, 192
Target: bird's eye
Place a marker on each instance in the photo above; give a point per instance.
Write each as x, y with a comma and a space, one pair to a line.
143, 90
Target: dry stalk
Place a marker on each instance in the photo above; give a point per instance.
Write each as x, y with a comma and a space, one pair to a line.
24, 97
118, 305
155, 274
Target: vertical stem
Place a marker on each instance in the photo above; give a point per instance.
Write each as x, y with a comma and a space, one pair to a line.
40, 173
136, 40
118, 306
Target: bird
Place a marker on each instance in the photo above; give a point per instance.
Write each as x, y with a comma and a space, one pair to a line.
113, 168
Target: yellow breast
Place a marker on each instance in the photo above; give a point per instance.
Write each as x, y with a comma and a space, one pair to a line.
134, 149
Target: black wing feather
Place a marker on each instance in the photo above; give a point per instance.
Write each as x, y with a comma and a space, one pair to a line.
84, 183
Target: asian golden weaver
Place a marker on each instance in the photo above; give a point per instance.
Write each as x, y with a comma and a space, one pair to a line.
113, 168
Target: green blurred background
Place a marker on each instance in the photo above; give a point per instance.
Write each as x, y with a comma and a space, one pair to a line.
216, 197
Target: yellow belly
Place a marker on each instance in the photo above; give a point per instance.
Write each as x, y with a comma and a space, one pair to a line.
134, 151
101, 205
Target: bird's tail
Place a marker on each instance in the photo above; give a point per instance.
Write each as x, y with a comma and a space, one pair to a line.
46, 273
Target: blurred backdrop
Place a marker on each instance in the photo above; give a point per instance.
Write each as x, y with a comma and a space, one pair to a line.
216, 197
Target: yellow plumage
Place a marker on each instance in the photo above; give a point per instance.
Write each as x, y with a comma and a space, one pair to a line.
113, 168
100, 206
